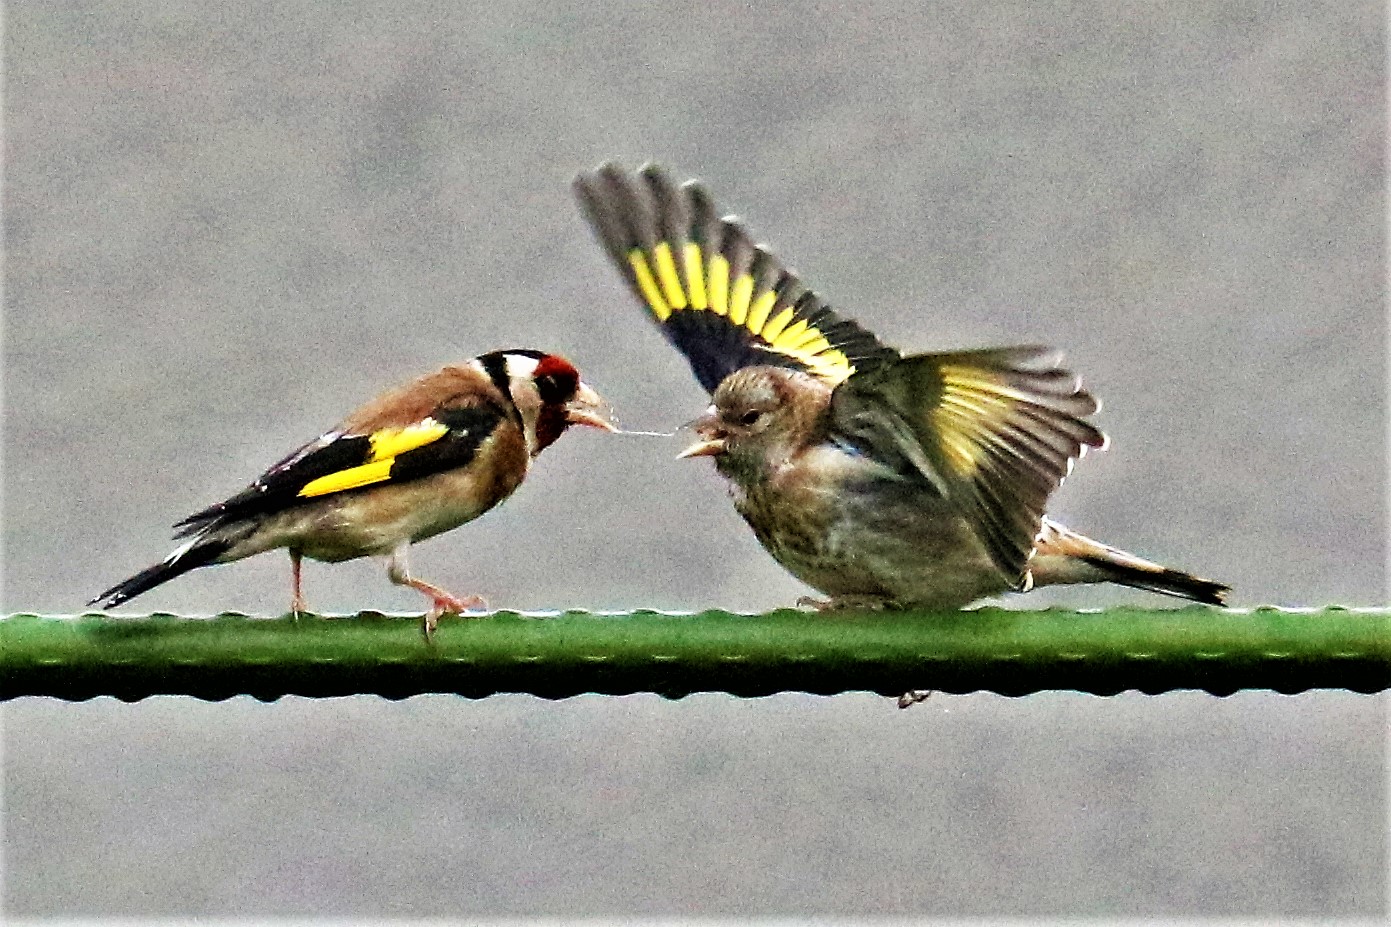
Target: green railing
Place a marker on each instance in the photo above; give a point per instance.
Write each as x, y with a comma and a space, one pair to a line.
555, 656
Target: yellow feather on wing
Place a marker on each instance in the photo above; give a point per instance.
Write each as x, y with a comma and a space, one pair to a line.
376, 472
391, 442
721, 298
386, 445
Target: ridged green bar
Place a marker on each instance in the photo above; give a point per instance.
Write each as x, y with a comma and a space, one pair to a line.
555, 656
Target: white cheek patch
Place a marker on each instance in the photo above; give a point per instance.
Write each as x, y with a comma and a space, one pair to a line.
520, 373
520, 367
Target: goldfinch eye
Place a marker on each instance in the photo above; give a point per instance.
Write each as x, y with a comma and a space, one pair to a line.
554, 389
750, 417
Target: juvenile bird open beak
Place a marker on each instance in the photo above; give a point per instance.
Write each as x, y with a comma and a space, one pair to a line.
710, 442
589, 408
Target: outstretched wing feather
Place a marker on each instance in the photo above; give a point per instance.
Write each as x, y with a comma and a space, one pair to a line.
995, 430
724, 301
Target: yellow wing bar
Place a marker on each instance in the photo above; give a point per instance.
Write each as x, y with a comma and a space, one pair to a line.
708, 287
351, 478
391, 442
386, 446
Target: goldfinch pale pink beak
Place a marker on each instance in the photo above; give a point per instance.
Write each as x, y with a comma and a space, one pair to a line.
589, 408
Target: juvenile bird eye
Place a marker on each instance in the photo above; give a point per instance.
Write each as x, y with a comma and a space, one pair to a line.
748, 418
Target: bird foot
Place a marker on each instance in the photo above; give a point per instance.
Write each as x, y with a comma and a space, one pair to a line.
443, 603
911, 698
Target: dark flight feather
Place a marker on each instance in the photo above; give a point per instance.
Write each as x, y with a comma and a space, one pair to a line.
994, 430
281, 486
722, 300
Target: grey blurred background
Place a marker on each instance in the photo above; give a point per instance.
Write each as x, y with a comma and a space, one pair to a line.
225, 226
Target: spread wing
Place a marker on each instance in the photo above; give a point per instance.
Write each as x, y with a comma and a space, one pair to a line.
994, 430
341, 461
723, 301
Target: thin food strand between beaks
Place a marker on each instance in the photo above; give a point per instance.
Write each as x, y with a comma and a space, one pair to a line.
646, 434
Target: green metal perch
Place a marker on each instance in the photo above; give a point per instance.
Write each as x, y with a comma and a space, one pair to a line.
556, 656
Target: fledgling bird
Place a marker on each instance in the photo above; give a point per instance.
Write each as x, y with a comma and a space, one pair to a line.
415, 462
880, 480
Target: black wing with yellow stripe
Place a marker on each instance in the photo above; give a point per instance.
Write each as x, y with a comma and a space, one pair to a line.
723, 301
338, 462
994, 430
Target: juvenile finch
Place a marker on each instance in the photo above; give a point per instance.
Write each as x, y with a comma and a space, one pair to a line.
880, 480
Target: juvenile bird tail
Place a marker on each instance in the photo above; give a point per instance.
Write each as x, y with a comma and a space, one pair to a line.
1064, 556
198, 552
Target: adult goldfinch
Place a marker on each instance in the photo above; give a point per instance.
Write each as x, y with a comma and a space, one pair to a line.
880, 480
417, 461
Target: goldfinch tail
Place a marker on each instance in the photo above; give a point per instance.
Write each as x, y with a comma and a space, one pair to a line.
1063, 556
199, 552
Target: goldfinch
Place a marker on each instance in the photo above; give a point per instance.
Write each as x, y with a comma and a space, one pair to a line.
415, 462
880, 480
